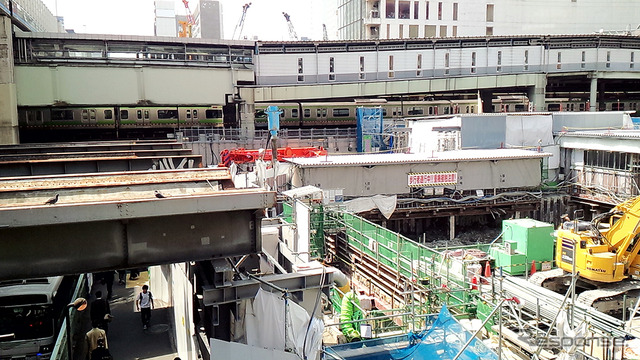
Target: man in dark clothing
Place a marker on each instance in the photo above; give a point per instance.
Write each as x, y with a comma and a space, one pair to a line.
107, 277
101, 352
99, 311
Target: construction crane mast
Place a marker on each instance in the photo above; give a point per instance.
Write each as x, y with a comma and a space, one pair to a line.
240, 25
186, 25
292, 31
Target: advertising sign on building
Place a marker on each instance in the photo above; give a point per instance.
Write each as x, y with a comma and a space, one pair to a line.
432, 179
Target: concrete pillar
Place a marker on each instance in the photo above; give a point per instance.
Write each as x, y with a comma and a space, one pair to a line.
537, 93
247, 112
486, 96
8, 96
452, 227
593, 94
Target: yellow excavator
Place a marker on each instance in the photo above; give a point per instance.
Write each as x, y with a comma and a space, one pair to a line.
604, 254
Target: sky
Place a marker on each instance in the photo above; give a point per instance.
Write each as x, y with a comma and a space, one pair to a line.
136, 17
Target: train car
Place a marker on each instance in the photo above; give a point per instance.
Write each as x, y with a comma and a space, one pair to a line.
170, 117
343, 114
68, 117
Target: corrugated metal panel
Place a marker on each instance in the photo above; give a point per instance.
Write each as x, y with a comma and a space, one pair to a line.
448, 156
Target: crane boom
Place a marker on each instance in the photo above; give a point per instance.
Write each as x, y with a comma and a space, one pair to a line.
186, 25
240, 25
292, 31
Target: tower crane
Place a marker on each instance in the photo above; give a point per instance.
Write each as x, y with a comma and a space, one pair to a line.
186, 25
240, 25
292, 31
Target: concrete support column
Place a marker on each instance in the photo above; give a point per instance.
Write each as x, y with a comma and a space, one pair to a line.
537, 93
486, 96
452, 227
8, 95
247, 112
593, 94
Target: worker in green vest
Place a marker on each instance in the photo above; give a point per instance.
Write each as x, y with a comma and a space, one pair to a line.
350, 311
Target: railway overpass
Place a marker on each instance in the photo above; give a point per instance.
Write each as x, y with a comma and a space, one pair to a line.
87, 207
65, 70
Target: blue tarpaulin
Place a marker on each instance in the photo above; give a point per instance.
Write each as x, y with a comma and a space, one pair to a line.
443, 340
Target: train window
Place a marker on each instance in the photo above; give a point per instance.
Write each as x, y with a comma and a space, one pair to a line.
526, 60
572, 107
146, 114
419, 66
446, 63
167, 114
294, 113
473, 109
559, 65
124, 114
85, 114
608, 64
581, 106
260, 114
340, 112
520, 107
633, 55
332, 68
217, 114
499, 67
553, 107
391, 73
467, 110
430, 110
324, 112
92, 114
446, 109
362, 68
139, 114
473, 62
584, 58
318, 113
195, 113
384, 112
188, 114
39, 115
61, 114
108, 114
415, 111
300, 70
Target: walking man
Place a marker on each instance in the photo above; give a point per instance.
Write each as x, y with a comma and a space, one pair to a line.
144, 303
99, 311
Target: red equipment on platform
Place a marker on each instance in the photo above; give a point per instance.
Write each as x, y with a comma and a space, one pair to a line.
241, 156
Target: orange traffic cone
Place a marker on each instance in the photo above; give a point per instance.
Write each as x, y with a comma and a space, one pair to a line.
474, 283
533, 267
487, 270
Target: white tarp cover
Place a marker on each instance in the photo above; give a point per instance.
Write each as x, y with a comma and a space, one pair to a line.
265, 325
423, 139
568, 337
529, 130
386, 204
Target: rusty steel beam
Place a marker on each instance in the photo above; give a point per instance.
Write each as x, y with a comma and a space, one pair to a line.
125, 220
97, 164
100, 146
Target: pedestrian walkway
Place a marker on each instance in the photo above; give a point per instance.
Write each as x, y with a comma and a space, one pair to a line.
126, 337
